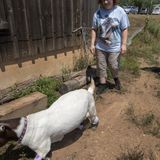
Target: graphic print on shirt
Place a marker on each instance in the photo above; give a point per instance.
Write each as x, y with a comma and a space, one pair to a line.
106, 30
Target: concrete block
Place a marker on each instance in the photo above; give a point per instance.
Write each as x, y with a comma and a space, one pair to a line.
23, 106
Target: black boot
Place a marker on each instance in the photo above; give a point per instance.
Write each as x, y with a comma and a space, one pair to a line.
117, 84
101, 88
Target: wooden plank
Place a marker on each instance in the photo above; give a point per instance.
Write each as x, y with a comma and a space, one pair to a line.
2, 10
1, 61
63, 24
58, 25
81, 12
68, 8
34, 19
53, 22
42, 29
19, 19
58, 18
23, 106
28, 32
47, 19
72, 38
12, 29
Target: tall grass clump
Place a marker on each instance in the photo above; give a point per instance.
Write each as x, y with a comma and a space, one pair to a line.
132, 154
154, 28
130, 64
66, 73
45, 85
148, 122
81, 63
137, 153
145, 45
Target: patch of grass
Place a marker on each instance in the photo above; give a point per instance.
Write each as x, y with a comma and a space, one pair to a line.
136, 153
66, 73
153, 27
45, 85
147, 119
132, 154
81, 63
143, 120
147, 122
145, 45
130, 64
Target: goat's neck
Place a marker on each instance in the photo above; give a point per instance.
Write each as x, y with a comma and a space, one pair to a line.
18, 130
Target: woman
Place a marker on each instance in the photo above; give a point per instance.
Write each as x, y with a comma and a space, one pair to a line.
109, 38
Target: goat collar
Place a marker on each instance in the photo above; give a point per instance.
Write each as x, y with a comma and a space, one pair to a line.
24, 130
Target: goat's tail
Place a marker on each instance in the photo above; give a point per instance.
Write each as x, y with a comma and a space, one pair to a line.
92, 86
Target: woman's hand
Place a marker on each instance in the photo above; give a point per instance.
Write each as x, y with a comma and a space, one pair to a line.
92, 49
123, 49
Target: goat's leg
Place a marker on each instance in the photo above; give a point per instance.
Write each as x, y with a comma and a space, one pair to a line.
92, 114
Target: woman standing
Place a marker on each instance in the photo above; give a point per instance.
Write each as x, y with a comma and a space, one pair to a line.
109, 38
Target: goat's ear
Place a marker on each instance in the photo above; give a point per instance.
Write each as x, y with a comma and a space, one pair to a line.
2, 128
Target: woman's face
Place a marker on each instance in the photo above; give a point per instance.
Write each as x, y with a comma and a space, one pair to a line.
107, 4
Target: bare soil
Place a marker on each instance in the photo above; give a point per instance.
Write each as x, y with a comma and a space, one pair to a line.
116, 134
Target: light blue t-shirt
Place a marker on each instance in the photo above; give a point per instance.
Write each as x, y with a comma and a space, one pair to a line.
110, 24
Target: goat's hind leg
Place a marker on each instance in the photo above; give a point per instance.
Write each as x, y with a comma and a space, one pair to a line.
92, 114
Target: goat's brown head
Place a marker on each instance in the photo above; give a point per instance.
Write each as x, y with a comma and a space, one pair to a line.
3, 134
6, 134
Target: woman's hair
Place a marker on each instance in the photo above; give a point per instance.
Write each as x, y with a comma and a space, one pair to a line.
114, 2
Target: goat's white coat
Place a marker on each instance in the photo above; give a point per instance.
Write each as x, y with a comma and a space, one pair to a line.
63, 116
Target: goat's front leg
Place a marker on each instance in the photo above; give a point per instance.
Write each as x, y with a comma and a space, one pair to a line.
37, 157
43, 149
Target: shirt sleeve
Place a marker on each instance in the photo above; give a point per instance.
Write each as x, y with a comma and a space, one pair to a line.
124, 23
95, 22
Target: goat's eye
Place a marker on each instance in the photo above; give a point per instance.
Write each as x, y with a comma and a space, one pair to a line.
2, 128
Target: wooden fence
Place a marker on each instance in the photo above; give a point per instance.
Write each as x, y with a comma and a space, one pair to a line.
37, 28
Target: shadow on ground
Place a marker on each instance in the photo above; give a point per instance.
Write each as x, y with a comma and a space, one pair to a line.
152, 69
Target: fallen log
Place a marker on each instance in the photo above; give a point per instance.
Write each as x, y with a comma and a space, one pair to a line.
73, 84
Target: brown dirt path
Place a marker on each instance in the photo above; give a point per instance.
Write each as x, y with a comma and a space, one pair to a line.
115, 134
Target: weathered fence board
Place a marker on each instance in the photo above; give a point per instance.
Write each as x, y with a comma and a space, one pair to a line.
38, 27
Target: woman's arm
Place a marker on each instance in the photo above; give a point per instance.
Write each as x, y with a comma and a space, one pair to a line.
124, 41
93, 40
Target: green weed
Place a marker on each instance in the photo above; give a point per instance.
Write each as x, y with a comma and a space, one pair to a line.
66, 73
130, 64
80, 63
147, 122
132, 154
45, 85
145, 45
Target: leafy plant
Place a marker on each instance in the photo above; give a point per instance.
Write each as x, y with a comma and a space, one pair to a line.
80, 63
66, 73
45, 85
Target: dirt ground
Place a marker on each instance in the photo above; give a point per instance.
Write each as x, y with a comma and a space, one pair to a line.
116, 134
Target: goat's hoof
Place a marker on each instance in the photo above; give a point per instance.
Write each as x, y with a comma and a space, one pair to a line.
94, 126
